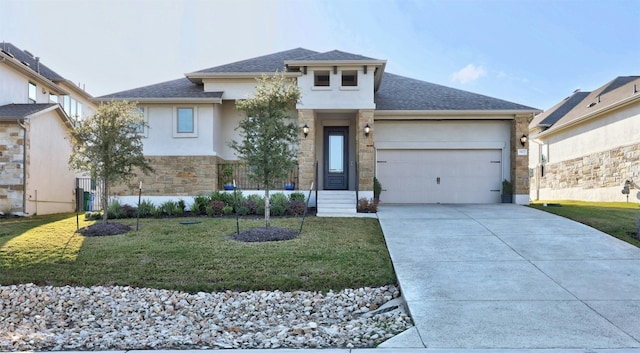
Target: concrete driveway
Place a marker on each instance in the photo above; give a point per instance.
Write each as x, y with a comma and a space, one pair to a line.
509, 276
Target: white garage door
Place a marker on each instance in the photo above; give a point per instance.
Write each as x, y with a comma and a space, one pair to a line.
439, 176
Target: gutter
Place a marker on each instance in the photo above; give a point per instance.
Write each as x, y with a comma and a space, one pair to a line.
24, 166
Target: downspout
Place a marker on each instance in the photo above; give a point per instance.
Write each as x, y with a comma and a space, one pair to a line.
24, 166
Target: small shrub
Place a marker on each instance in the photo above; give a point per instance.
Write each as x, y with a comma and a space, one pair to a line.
147, 208
200, 204
169, 208
157, 212
181, 205
217, 206
92, 216
279, 199
227, 210
296, 208
210, 211
277, 210
242, 211
296, 196
225, 197
129, 211
367, 205
114, 210
250, 205
260, 210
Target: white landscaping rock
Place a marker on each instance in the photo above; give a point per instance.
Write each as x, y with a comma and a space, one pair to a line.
124, 318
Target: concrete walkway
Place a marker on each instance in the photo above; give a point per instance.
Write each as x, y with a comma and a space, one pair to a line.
511, 277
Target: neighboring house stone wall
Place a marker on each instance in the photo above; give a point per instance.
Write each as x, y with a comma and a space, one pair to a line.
175, 175
600, 176
11, 167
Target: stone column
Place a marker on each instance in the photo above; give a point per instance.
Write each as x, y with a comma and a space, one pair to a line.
520, 163
364, 147
307, 150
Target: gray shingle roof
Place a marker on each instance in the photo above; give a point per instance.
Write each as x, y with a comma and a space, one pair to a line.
554, 114
265, 63
18, 111
403, 93
20, 55
334, 55
180, 88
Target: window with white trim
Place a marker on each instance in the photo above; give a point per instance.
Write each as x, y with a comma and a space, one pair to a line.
139, 126
321, 78
33, 92
350, 78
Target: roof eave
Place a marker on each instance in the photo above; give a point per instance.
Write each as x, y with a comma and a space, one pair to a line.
488, 114
72, 86
31, 73
586, 117
197, 77
173, 100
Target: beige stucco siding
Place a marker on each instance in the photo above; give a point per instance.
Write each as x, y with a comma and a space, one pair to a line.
50, 182
14, 87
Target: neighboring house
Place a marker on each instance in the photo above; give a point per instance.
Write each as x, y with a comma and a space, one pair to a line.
35, 109
425, 142
587, 146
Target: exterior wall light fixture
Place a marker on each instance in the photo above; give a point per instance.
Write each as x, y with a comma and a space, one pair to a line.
523, 140
367, 130
305, 130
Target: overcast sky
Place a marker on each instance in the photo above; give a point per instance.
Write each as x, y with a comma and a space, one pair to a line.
532, 52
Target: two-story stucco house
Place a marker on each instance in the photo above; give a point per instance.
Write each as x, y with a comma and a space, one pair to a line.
587, 146
426, 143
36, 104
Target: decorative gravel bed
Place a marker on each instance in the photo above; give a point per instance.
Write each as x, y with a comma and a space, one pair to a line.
107, 318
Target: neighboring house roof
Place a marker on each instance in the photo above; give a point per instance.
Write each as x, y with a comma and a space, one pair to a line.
26, 57
13, 112
403, 93
19, 111
556, 113
618, 92
394, 92
182, 89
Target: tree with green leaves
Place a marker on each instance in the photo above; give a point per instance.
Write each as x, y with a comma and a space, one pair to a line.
269, 133
109, 146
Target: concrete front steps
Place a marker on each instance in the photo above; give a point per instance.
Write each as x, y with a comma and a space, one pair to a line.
336, 204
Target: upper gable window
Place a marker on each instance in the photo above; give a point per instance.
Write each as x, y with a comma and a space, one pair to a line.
33, 93
321, 78
350, 78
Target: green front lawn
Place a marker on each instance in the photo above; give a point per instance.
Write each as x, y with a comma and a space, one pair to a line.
331, 253
615, 218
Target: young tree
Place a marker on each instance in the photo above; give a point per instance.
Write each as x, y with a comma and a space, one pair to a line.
269, 134
109, 146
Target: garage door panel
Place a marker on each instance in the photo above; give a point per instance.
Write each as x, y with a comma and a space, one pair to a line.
440, 176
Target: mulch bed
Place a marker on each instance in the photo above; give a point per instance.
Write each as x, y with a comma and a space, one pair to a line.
104, 229
262, 234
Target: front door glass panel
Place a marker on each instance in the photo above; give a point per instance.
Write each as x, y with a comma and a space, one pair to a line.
336, 154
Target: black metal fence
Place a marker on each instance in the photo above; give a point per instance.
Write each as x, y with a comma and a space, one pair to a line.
89, 193
240, 173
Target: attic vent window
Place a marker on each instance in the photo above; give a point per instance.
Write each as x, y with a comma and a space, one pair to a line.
350, 78
321, 78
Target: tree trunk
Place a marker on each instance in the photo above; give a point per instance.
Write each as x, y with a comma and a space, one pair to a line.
267, 209
105, 201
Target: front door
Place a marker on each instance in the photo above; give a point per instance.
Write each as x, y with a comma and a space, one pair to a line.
336, 171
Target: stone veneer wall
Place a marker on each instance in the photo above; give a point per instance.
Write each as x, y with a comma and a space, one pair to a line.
175, 176
307, 150
520, 164
598, 170
11, 167
364, 147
